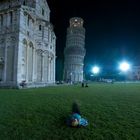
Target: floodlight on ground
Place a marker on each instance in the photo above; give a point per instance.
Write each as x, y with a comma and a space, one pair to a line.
95, 70
124, 66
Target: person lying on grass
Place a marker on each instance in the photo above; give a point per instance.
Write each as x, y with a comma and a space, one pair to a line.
75, 119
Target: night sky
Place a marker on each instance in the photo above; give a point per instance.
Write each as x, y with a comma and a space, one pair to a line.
112, 28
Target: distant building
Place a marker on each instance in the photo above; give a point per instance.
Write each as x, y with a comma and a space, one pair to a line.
134, 73
75, 51
27, 43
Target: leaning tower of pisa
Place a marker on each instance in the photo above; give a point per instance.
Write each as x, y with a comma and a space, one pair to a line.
74, 51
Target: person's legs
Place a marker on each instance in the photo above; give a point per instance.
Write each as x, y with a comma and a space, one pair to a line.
75, 108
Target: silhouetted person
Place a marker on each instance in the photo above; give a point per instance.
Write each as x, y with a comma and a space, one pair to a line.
23, 84
86, 85
82, 84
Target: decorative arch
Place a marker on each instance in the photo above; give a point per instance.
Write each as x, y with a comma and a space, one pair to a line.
2, 41
31, 44
24, 41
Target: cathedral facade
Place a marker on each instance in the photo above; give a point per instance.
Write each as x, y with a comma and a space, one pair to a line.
75, 51
27, 44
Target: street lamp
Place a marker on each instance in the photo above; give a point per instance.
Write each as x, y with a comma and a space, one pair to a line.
124, 66
95, 70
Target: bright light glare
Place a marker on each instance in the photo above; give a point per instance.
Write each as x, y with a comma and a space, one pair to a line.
95, 70
124, 66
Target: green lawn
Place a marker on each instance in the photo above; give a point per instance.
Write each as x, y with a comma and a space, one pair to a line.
113, 112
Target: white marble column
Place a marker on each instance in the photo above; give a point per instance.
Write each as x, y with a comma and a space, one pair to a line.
34, 65
48, 61
1, 21
27, 63
42, 67
49, 69
16, 59
2, 52
5, 45
54, 69
5, 62
30, 63
45, 68
8, 19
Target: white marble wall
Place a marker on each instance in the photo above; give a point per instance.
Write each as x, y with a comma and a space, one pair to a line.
28, 51
74, 51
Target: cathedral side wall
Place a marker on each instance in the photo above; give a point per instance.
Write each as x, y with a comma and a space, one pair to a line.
9, 36
27, 45
26, 51
42, 10
36, 63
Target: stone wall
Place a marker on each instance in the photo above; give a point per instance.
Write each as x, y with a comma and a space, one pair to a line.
27, 43
74, 51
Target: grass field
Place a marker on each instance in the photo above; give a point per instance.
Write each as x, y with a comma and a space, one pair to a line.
113, 112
